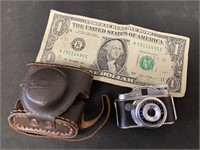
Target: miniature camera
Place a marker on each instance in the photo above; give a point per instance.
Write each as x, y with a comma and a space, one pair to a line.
145, 106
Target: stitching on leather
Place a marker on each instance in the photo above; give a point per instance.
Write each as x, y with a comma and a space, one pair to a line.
54, 65
40, 129
68, 121
65, 119
18, 111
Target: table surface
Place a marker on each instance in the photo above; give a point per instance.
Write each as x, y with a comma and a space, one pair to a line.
22, 29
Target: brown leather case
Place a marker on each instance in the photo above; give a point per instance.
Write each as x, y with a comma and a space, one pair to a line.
52, 105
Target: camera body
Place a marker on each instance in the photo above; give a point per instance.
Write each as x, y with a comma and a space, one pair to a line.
145, 106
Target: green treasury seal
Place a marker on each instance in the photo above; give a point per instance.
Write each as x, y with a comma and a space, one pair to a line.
146, 63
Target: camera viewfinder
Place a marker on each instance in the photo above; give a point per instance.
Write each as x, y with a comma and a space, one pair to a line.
144, 91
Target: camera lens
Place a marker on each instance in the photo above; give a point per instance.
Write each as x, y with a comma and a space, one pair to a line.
149, 112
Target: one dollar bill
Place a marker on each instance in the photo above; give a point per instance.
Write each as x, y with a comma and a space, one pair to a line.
125, 55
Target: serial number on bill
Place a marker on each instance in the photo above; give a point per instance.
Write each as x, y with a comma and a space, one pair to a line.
75, 54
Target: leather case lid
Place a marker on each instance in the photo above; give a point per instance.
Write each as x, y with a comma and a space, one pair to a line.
49, 90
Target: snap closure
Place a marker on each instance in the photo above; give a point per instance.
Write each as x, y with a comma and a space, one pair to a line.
48, 124
34, 122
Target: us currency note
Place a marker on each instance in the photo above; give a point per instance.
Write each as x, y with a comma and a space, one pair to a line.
124, 55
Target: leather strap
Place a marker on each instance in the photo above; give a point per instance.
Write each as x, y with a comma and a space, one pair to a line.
101, 123
89, 123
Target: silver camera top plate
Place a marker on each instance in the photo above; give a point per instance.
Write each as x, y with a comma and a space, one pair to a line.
160, 90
